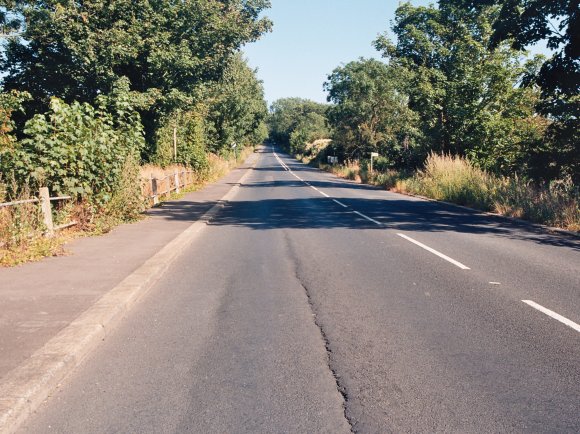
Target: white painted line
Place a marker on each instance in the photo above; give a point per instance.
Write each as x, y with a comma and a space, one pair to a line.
284, 166
340, 203
321, 192
553, 314
368, 218
435, 252
296, 176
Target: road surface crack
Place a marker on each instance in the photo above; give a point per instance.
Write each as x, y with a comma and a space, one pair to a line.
340, 387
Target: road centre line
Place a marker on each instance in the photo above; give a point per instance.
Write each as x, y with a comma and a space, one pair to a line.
367, 218
323, 193
553, 314
296, 176
435, 252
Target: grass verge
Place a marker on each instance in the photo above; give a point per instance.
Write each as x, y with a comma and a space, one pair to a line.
22, 230
456, 180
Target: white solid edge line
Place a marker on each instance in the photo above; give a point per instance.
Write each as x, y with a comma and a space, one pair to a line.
340, 203
553, 314
435, 252
368, 218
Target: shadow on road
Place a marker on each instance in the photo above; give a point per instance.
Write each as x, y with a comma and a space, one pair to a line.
322, 213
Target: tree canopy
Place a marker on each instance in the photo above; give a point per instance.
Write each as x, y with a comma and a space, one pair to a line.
294, 122
370, 109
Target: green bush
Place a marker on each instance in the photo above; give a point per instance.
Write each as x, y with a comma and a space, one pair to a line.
78, 149
191, 141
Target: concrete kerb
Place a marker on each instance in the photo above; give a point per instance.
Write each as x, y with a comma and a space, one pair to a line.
27, 386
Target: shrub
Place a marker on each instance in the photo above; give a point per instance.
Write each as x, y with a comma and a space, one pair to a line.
191, 140
78, 149
453, 179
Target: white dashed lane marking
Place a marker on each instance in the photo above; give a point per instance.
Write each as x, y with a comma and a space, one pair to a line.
435, 252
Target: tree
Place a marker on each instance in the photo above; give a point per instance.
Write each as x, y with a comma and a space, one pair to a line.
557, 22
526, 22
166, 49
469, 98
238, 108
370, 111
294, 122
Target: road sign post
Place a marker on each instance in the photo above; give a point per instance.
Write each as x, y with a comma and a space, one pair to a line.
235, 148
373, 154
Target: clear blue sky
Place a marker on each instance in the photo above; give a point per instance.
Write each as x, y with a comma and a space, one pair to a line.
312, 37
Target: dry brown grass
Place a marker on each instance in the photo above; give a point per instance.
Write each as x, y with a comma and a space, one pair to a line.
455, 179
21, 227
22, 233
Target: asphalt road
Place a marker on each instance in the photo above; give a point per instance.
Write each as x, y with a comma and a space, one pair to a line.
313, 304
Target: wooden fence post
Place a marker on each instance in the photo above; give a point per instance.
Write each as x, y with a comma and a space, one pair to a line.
154, 190
176, 176
46, 210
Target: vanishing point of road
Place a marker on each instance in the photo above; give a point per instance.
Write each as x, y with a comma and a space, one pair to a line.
314, 304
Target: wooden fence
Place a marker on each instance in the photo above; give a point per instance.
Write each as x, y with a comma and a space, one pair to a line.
45, 205
153, 188
156, 188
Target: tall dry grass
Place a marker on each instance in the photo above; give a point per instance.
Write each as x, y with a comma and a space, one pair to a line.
555, 204
455, 179
351, 170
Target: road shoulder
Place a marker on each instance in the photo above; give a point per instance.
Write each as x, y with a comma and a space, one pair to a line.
61, 308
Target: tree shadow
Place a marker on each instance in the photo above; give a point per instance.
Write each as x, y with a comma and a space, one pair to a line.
323, 213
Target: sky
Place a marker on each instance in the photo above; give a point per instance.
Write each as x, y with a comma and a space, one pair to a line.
312, 37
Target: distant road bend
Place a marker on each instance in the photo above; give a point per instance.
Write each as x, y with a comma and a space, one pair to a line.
314, 304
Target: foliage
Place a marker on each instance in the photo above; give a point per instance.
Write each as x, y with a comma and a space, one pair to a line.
78, 149
78, 50
468, 97
9, 103
370, 111
525, 22
238, 110
294, 122
189, 128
